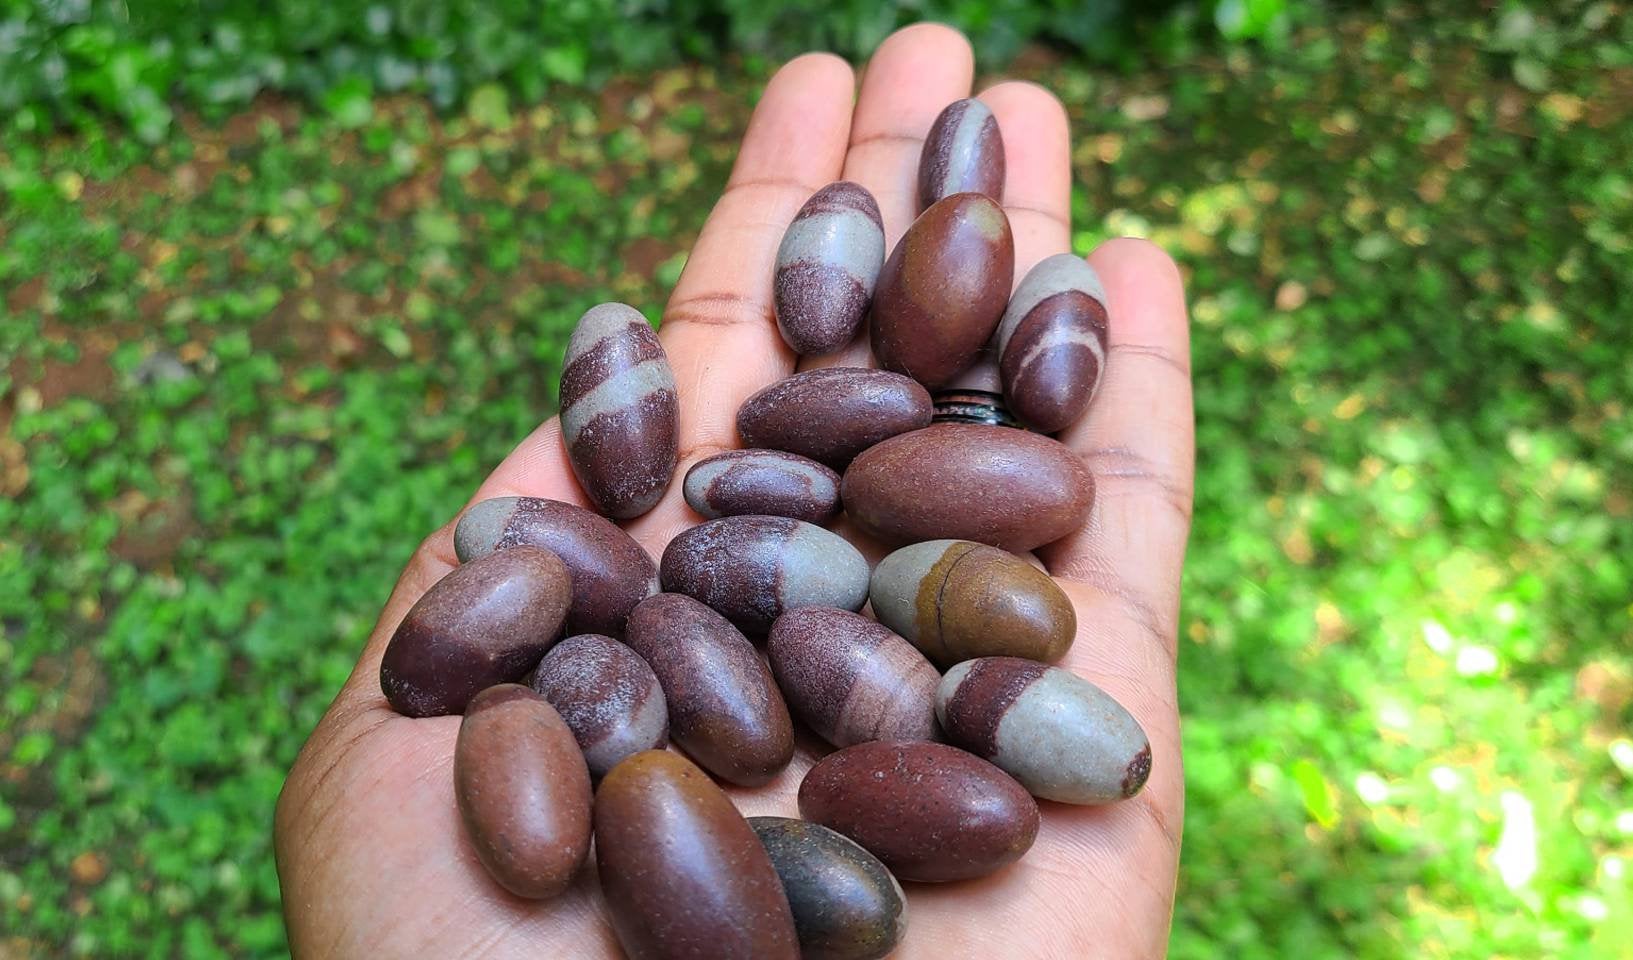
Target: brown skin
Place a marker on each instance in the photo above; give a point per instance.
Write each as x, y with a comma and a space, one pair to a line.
368, 839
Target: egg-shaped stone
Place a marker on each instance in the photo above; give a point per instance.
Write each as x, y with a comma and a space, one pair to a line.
1052, 343
608, 695
831, 414
851, 679
826, 268
846, 905
765, 482
963, 153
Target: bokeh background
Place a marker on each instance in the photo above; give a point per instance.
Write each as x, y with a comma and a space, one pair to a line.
280, 282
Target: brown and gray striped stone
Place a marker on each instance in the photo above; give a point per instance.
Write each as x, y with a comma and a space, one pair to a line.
608, 695
963, 153
724, 708
1010, 488
846, 905
930, 812
619, 411
826, 268
831, 414
752, 569
956, 600
486, 622
1052, 343
683, 874
943, 290
1061, 736
765, 482
850, 679
522, 791
611, 572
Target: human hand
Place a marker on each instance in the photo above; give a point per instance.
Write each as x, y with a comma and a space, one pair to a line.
372, 856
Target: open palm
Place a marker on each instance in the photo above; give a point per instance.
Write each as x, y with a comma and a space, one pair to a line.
371, 852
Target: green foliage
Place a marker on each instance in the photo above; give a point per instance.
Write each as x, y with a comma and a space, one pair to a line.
248, 367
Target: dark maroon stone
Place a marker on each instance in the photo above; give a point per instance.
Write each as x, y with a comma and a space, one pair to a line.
523, 791
963, 153
619, 411
833, 413
929, 811
826, 268
765, 483
486, 622
851, 679
995, 485
724, 708
1053, 343
683, 874
611, 572
608, 695
943, 290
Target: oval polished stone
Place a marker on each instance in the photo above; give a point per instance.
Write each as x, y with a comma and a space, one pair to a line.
684, 875
846, 905
611, 572
851, 679
1061, 736
943, 290
956, 600
832, 414
608, 695
751, 569
929, 811
826, 268
522, 790
764, 482
619, 411
1052, 342
724, 708
486, 622
996, 485
963, 153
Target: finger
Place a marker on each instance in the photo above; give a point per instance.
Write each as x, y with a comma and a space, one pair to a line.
1037, 170
1138, 439
912, 77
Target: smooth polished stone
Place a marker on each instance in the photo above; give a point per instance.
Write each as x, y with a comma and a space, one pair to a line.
831, 414
1052, 343
619, 411
724, 708
943, 289
996, 485
486, 622
683, 874
608, 695
1061, 736
930, 812
752, 569
611, 572
846, 905
762, 482
523, 791
963, 153
826, 268
851, 679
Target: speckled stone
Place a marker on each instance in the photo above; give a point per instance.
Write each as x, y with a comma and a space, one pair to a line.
943, 289
846, 905
1061, 736
684, 875
963, 153
1052, 343
930, 812
1009, 488
611, 572
724, 708
751, 569
955, 600
851, 679
486, 622
764, 482
522, 791
831, 414
619, 411
826, 268
608, 695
